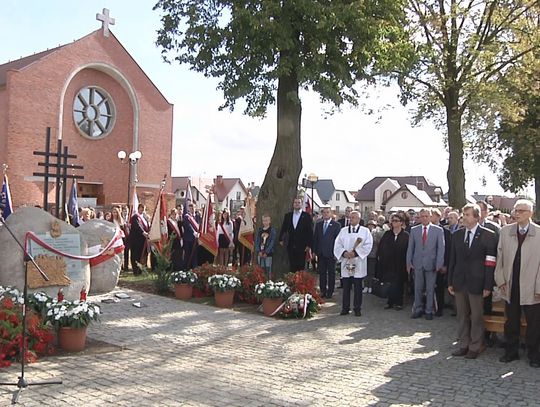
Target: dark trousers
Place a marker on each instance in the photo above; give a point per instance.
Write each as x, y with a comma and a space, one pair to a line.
297, 260
126, 254
349, 282
327, 275
395, 292
136, 254
371, 268
190, 255
440, 288
512, 328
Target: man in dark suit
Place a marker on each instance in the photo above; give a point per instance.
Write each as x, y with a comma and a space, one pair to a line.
297, 235
471, 279
326, 231
346, 220
441, 281
425, 255
190, 233
139, 228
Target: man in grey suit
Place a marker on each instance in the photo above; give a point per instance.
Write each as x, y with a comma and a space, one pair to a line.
425, 255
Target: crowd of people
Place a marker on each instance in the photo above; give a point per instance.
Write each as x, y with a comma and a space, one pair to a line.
454, 258
467, 254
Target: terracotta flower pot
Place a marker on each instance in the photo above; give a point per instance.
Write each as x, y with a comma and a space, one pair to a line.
270, 305
224, 299
183, 291
72, 339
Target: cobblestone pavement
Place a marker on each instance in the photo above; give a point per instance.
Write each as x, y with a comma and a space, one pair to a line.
177, 353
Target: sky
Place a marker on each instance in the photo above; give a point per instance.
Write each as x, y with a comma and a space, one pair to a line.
349, 147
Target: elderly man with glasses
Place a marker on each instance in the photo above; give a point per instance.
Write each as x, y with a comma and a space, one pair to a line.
518, 277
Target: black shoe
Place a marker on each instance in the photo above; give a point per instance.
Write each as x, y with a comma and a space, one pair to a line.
398, 307
357, 314
323, 295
439, 313
344, 312
388, 306
509, 357
534, 363
471, 354
429, 316
460, 352
417, 314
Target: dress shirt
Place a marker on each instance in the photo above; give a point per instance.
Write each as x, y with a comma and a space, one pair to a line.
473, 232
296, 218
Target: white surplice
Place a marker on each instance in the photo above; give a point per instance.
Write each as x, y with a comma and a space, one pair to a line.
345, 242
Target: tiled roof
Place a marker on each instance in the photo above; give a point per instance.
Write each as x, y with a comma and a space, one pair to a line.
367, 192
179, 183
223, 188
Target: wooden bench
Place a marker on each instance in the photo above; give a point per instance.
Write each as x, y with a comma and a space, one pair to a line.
495, 322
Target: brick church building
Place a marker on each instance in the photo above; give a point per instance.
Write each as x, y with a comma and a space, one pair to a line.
96, 98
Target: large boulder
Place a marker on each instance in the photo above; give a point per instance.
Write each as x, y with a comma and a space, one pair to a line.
103, 276
11, 255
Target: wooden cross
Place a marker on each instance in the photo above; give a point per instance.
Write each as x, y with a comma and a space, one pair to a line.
106, 20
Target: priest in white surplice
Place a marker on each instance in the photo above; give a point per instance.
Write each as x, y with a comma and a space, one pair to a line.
351, 248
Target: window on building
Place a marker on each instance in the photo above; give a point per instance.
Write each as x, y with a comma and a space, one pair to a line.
238, 195
386, 195
93, 112
337, 196
337, 209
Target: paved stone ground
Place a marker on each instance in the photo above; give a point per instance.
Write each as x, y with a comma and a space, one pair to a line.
179, 353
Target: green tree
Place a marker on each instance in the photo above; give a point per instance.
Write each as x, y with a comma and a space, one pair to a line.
514, 152
265, 51
463, 47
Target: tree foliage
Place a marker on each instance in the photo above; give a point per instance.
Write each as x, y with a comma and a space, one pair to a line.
463, 48
328, 44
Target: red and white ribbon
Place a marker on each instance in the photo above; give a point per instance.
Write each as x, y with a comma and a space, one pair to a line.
491, 261
114, 244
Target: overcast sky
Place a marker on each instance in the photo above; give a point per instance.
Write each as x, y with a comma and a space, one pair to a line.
349, 147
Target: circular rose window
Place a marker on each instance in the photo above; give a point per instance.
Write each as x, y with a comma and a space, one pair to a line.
93, 112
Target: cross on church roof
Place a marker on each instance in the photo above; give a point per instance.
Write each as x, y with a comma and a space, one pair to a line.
105, 21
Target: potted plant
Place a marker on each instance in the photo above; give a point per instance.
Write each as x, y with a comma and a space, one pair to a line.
183, 282
272, 294
224, 286
71, 318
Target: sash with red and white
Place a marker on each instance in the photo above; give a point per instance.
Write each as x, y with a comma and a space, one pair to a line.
143, 223
174, 225
192, 222
97, 254
491, 261
226, 233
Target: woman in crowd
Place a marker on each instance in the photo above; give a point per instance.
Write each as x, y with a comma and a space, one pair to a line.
120, 223
174, 231
108, 217
224, 234
392, 253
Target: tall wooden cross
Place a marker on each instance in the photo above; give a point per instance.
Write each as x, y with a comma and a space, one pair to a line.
106, 20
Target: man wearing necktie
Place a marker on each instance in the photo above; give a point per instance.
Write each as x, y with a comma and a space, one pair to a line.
425, 255
518, 277
470, 279
326, 231
297, 235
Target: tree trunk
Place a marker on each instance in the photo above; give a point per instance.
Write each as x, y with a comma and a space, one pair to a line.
456, 172
280, 184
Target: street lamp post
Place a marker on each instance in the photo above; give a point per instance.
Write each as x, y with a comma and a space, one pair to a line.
312, 178
131, 161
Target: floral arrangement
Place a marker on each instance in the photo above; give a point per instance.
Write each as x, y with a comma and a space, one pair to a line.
250, 276
299, 306
303, 282
224, 282
184, 277
39, 336
74, 314
270, 289
201, 288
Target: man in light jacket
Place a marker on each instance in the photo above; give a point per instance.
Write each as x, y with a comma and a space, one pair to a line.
517, 275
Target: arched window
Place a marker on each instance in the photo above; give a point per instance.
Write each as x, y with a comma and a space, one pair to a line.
386, 194
93, 112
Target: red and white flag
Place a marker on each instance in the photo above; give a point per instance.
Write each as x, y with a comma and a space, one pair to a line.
246, 233
207, 237
158, 229
134, 202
